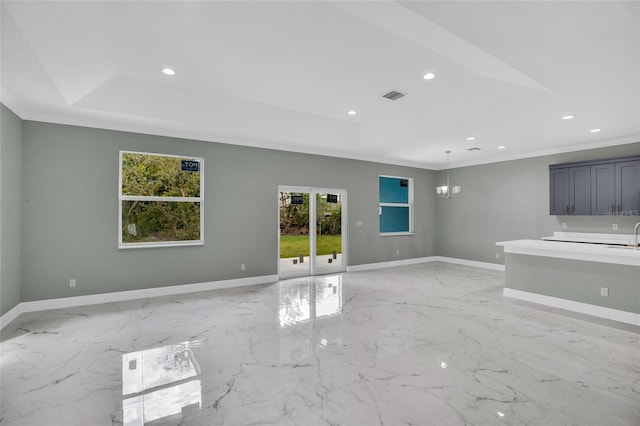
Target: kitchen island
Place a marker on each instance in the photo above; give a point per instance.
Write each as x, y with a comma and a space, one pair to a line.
598, 279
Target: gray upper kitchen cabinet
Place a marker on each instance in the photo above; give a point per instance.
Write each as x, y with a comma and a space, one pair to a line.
580, 190
570, 191
559, 190
603, 185
627, 188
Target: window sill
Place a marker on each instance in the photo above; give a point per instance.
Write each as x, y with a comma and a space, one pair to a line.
395, 234
157, 245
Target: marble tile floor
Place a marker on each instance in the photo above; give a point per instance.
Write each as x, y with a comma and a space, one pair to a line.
430, 344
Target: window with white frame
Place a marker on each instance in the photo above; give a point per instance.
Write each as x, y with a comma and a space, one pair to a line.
396, 205
161, 200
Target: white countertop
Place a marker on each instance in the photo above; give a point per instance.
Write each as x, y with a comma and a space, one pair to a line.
574, 250
598, 238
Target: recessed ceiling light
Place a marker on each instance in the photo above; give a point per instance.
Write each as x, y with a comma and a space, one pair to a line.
168, 71
502, 147
471, 138
429, 76
352, 112
595, 130
568, 117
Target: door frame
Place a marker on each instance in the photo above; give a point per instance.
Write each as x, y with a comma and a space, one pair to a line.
312, 191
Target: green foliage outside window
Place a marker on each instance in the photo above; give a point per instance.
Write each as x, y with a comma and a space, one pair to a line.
156, 175
294, 218
160, 202
294, 226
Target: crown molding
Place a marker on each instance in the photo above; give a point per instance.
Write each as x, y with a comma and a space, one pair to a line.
541, 153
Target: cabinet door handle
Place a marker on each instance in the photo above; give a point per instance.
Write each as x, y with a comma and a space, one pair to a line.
613, 208
566, 209
573, 209
619, 208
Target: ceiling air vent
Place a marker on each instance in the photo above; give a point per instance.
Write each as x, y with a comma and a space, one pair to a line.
394, 95
473, 149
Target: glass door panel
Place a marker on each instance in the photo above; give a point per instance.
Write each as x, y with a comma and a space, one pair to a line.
328, 241
294, 234
311, 231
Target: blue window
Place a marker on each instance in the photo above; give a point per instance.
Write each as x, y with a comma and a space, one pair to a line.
394, 190
396, 205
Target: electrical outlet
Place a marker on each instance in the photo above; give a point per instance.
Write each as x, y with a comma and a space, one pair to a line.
358, 223
604, 291
242, 267
497, 255
72, 282
564, 225
397, 252
615, 226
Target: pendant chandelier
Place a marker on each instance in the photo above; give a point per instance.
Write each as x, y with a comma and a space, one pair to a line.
448, 191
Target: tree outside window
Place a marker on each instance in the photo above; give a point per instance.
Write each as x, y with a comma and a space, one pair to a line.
161, 200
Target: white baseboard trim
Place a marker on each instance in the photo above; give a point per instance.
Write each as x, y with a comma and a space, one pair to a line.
404, 262
474, 263
122, 296
571, 305
9, 316
389, 264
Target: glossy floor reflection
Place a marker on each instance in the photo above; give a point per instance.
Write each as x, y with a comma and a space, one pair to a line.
430, 344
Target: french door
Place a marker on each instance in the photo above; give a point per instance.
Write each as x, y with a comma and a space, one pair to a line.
311, 231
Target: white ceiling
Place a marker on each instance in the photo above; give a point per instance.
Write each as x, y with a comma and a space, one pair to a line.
283, 74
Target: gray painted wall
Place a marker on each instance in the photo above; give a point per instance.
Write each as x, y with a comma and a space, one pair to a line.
509, 201
70, 190
10, 201
69, 210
